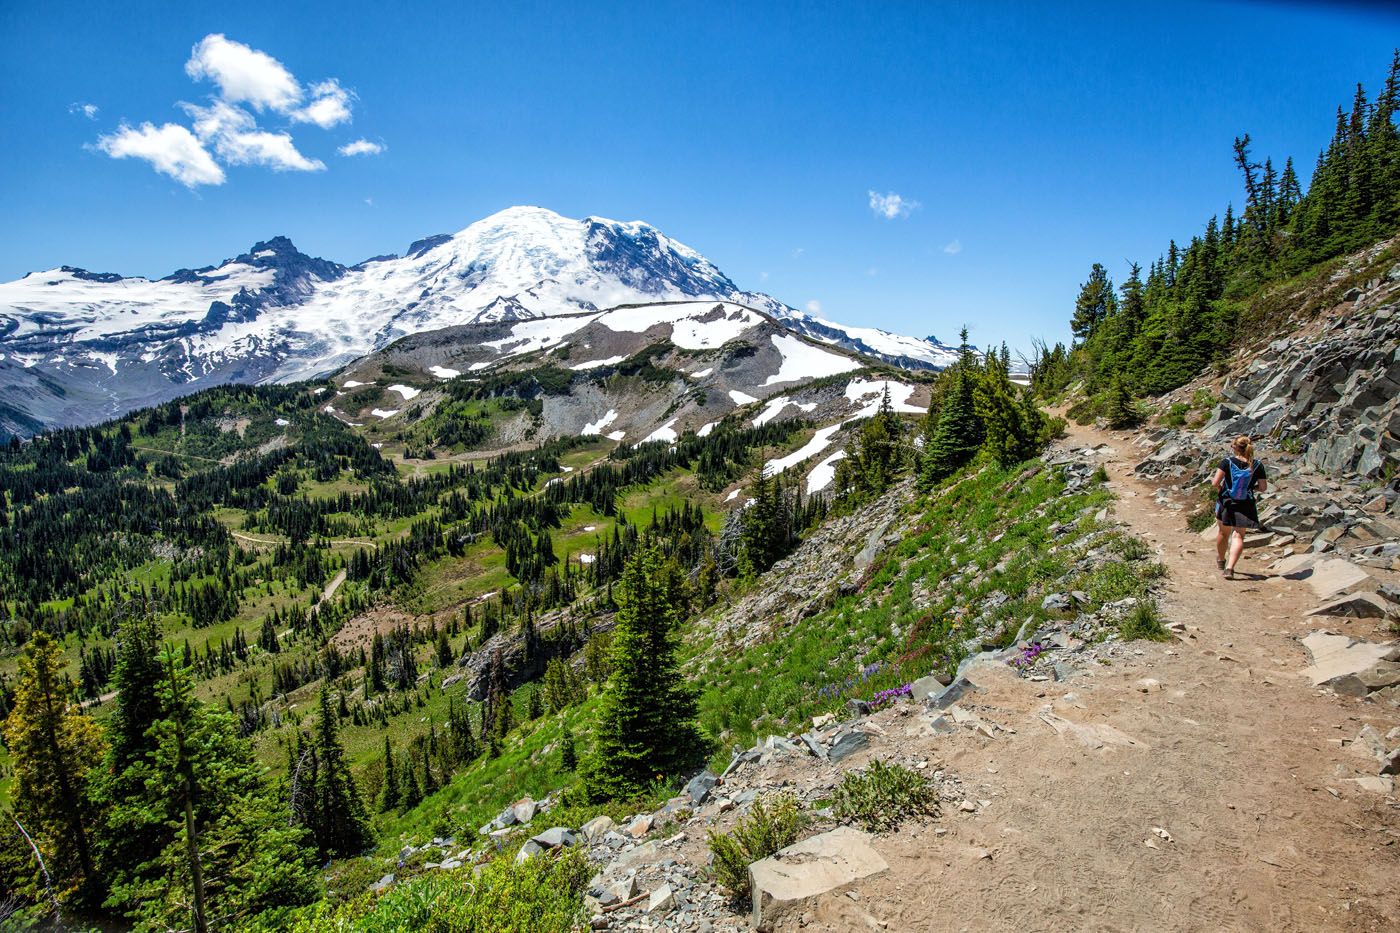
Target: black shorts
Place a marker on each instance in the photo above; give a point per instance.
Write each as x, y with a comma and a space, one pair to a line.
1237, 514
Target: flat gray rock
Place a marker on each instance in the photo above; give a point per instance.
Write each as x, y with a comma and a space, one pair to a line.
790, 879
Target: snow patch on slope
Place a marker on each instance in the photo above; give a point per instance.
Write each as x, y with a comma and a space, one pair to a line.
801, 360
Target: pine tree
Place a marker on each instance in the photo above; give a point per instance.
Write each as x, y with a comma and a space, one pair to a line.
445, 656
1119, 411
389, 794
569, 755
56, 754
226, 850
647, 717
336, 816
959, 432
1094, 304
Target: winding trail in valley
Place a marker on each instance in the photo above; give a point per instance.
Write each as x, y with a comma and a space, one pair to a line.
1233, 755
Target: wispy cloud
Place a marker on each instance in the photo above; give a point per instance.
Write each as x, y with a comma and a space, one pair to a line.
814, 306
171, 149
953, 248
226, 131
890, 205
87, 110
360, 147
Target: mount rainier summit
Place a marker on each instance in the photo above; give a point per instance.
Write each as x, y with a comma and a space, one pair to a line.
78, 347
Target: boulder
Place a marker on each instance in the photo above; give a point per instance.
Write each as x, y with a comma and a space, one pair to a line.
639, 826
788, 881
1356, 606
950, 694
382, 884
1057, 602
529, 850
848, 745
700, 786
661, 901
555, 837
525, 809
597, 828
921, 689
1336, 657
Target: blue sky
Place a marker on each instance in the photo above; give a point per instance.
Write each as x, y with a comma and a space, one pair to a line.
1024, 141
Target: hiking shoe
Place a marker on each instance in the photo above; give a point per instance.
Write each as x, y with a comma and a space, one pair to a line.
1220, 564
1229, 574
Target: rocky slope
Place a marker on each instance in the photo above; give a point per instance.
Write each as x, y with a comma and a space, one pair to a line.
78, 347
1324, 406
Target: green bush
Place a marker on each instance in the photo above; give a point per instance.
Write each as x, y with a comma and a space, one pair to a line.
1144, 622
770, 825
541, 895
1175, 416
1200, 521
882, 797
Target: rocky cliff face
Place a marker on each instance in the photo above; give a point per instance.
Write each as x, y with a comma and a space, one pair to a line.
1332, 389
1323, 404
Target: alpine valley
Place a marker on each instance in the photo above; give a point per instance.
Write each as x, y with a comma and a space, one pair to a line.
77, 347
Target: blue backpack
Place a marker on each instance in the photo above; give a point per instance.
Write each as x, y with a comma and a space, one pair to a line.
1240, 480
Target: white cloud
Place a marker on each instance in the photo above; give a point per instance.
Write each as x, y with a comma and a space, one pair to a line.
797, 253
330, 105
953, 248
360, 147
814, 307
890, 205
87, 110
226, 131
171, 149
236, 138
243, 74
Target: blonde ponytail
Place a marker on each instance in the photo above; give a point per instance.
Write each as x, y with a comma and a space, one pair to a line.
1243, 446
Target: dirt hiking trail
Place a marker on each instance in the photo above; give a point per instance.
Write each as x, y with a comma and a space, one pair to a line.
1202, 785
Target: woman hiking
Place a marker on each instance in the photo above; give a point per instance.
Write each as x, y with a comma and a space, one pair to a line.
1236, 480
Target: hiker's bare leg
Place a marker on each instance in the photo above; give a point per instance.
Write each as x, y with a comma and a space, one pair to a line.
1222, 538
1236, 547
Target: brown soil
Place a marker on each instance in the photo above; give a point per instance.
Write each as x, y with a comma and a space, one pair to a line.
1235, 757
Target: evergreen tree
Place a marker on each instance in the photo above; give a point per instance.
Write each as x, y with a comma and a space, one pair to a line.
445, 656
56, 753
336, 816
958, 434
1119, 411
226, 848
646, 722
389, 794
1094, 304
569, 755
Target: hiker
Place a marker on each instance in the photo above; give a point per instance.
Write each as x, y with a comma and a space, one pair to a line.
1236, 480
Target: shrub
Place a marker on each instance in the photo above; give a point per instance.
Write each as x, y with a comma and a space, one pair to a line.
771, 824
883, 796
1130, 548
539, 895
1200, 521
1144, 622
1175, 416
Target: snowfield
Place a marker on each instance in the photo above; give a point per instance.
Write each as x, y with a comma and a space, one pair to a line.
823, 473
443, 372
596, 427
801, 360
408, 392
667, 432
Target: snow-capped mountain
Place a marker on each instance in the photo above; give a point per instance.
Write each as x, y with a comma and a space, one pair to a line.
77, 346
